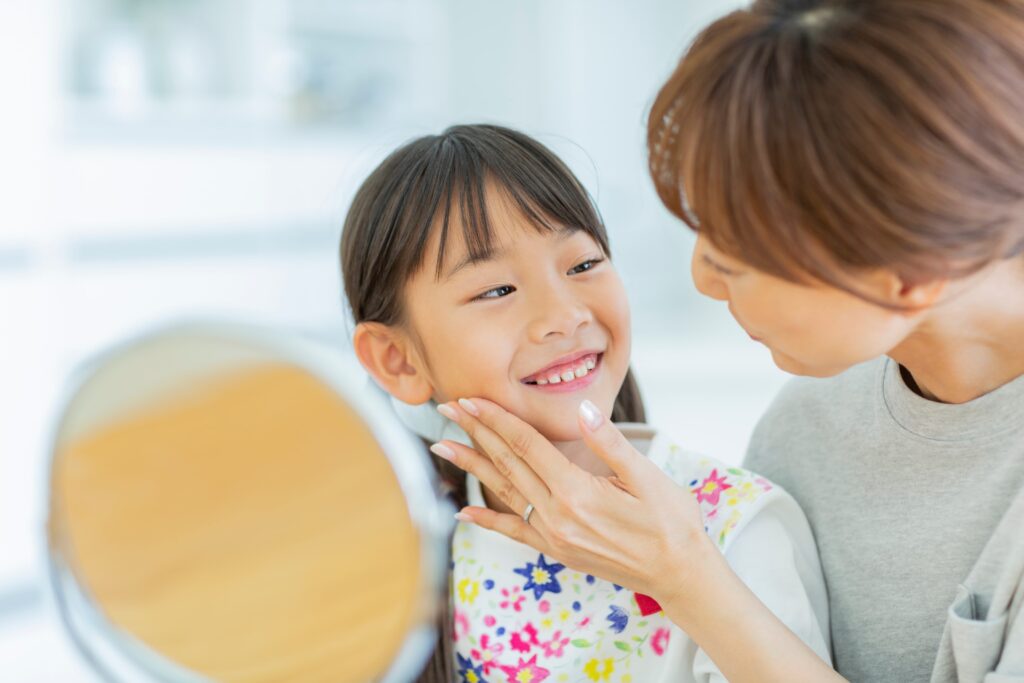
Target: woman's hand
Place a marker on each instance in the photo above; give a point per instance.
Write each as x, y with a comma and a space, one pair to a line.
637, 528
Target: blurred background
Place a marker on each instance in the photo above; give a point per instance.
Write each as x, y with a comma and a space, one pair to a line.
181, 158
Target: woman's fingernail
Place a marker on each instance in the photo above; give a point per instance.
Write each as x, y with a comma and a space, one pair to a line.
447, 411
442, 451
591, 415
463, 517
469, 407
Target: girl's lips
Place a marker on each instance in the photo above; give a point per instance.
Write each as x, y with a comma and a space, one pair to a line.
564, 363
576, 383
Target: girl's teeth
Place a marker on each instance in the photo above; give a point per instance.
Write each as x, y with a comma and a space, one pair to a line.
581, 370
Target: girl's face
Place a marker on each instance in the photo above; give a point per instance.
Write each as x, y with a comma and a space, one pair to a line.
537, 328
810, 330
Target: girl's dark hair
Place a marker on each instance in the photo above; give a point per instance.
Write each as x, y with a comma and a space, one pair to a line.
822, 137
422, 185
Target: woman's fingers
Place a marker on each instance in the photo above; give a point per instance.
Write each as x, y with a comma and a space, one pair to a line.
517, 470
520, 441
481, 467
608, 443
508, 525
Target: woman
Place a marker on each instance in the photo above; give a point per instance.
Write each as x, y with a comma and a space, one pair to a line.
854, 171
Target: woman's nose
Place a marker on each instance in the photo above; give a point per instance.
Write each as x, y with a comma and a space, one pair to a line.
558, 314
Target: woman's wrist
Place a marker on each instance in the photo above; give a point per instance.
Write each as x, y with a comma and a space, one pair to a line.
722, 615
685, 574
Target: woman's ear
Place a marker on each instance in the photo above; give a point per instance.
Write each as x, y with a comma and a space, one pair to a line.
914, 297
388, 356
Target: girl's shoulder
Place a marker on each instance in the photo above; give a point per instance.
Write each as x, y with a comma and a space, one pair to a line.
729, 496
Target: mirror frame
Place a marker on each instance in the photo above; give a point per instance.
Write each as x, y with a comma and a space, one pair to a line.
99, 641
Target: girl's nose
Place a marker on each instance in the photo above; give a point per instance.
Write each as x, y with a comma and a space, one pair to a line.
559, 315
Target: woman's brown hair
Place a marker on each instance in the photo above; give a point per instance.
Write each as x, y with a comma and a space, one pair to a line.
419, 188
822, 137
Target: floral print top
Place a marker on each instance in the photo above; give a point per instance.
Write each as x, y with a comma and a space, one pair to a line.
522, 617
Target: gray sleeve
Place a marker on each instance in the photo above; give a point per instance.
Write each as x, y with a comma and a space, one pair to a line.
983, 639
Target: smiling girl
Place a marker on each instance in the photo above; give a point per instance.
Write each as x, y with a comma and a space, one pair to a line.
475, 264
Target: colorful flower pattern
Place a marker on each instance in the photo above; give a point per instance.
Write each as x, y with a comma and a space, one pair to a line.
521, 617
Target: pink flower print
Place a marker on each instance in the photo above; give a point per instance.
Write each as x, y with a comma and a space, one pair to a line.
525, 672
488, 653
659, 641
461, 625
712, 488
521, 644
763, 483
556, 646
544, 606
513, 598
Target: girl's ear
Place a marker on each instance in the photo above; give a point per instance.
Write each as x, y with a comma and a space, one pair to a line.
389, 358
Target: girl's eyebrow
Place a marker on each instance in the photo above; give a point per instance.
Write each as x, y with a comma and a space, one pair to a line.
497, 253
468, 260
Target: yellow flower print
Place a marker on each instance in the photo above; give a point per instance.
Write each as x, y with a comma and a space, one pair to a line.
468, 590
742, 492
599, 674
730, 525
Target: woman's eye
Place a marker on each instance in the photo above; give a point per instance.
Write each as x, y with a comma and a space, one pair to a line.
718, 268
496, 293
585, 266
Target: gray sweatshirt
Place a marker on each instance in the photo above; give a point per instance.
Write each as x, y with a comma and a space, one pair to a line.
903, 494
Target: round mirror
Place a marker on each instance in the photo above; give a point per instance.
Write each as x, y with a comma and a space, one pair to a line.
232, 504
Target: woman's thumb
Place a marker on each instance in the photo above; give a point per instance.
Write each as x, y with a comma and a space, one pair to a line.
607, 442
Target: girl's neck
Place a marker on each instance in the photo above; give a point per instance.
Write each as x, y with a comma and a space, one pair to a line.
580, 455
974, 342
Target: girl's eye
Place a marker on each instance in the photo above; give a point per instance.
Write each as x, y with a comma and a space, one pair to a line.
585, 266
496, 293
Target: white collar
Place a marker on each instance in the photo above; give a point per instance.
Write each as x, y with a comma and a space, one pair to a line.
425, 421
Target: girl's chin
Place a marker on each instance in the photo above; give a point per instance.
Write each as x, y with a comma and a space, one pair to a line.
564, 426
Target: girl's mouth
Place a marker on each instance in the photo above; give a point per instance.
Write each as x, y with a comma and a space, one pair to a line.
569, 376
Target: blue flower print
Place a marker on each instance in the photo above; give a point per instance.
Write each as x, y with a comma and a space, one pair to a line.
618, 618
468, 672
541, 577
